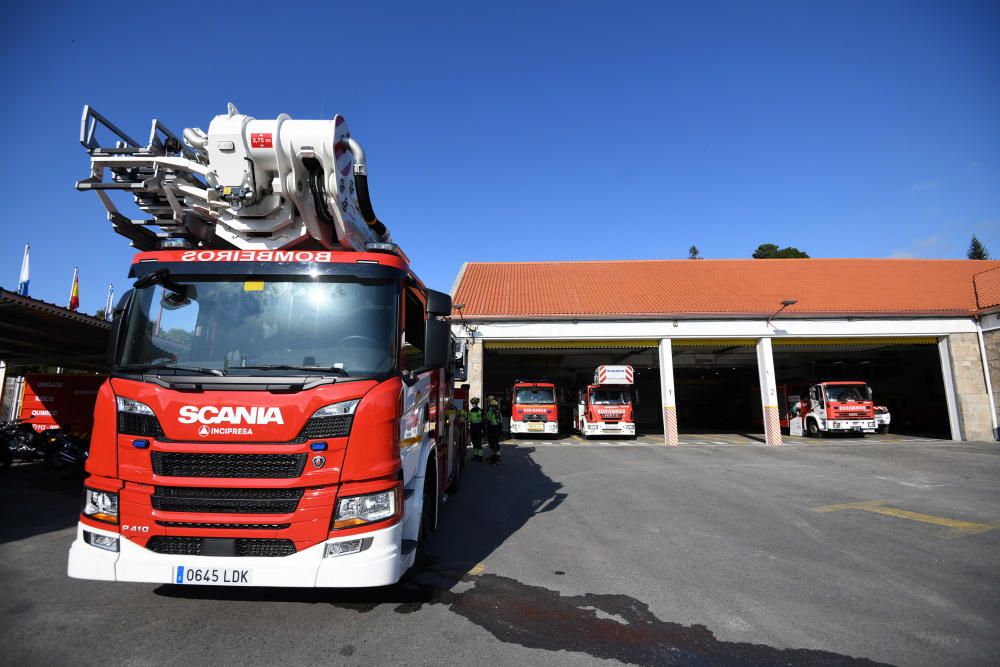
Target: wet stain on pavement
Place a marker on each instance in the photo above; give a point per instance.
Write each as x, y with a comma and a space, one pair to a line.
614, 627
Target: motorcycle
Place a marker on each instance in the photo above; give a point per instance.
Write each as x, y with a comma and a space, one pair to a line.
19, 441
63, 450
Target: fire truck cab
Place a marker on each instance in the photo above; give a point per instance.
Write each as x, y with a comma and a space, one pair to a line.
534, 409
605, 407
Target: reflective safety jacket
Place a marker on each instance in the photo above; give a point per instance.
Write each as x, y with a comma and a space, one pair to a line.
493, 417
475, 416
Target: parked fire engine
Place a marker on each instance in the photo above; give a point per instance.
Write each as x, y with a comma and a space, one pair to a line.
534, 408
277, 410
835, 407
605, 407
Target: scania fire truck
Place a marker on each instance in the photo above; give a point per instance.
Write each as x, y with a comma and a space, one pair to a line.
534, 408
835, 407
605, 407
276, 410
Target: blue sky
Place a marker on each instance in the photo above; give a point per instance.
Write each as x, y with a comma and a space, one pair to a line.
538, 130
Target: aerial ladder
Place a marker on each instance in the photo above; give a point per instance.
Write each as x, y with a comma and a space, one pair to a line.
245, 184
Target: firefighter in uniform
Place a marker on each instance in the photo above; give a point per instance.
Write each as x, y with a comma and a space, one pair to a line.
493, 420
476, 430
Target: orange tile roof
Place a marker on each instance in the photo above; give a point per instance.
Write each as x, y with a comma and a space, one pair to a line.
988, 288
728, 287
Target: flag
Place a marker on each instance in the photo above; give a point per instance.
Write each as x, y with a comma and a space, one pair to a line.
108, 309
74, 292
22, 283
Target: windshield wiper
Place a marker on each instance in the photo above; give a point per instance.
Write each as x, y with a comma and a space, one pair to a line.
141, 368
290, 367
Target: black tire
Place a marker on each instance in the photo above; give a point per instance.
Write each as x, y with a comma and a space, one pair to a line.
456, 482
427, 515
813, 429
6, 458
883, 429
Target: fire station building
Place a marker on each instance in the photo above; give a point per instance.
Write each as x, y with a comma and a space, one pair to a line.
720, 345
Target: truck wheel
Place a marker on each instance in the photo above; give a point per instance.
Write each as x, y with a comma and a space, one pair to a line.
456, 481
883, 429
427, 517
813, 429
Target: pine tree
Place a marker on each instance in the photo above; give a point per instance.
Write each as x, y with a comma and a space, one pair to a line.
693, 252
977, 250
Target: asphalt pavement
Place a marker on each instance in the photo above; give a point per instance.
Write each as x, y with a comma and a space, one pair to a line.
829, 553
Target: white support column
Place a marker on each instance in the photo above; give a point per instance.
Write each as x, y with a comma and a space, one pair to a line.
3, 382
768, 392
668, 397
949, 388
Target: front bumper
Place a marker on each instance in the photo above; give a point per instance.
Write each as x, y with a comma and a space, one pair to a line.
518, 427
379, 565
850, 424
609, 428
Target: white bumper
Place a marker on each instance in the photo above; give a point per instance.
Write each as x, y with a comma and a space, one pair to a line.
605, 428
551, 428
379, 565
883, 420
850, 424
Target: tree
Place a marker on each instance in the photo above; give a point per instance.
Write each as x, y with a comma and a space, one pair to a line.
693, 253
771, 251
100, 314
977, 250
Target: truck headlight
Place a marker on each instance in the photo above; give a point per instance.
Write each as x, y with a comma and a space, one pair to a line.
338, 409
100, 505
371, 507
133, 406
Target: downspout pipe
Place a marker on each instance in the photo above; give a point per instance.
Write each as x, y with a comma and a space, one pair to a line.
986, 376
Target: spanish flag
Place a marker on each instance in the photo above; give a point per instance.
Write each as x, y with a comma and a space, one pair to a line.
74, 292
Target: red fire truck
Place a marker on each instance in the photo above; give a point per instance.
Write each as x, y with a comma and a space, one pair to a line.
605, 407
843, 406
534, 408
277, 410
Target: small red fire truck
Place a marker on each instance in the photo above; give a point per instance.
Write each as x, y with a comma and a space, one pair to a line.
843, 406
534, 409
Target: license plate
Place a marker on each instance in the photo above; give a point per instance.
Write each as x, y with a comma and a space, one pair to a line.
213, 576
534, 426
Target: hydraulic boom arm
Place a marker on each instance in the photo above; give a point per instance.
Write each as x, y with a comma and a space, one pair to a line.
246, 183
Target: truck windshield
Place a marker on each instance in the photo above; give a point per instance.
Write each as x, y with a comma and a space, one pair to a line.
848, 393
529, 395
610, 397
220, 324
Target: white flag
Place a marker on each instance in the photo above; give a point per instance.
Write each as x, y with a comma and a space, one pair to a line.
22, 283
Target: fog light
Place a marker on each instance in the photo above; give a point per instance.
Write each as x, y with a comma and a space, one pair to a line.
347, 547
106, 542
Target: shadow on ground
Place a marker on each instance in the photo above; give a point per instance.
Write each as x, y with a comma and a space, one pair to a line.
36, 500
493, 504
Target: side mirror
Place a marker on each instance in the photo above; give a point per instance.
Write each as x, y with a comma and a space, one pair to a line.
459, 360
115, 340
438, 303
437, 332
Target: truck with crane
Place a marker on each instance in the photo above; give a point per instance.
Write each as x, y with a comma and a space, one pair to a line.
277, 409
605, 407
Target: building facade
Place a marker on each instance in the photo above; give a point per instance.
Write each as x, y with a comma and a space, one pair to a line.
725, 344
